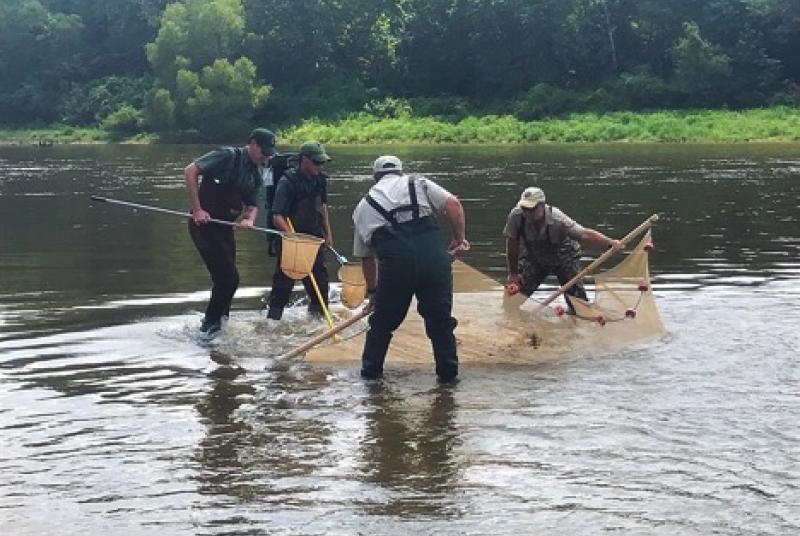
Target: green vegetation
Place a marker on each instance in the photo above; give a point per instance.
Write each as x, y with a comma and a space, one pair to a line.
51, 135
770, 124
774, 124
432, 70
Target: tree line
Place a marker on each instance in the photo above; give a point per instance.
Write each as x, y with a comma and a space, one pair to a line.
208, 69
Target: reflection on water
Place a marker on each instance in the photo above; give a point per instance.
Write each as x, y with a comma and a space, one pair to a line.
409, 450
116, 418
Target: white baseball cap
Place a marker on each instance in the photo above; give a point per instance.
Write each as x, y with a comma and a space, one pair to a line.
531, 197
387, 163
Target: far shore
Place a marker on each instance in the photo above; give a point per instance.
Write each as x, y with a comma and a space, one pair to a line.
775, 124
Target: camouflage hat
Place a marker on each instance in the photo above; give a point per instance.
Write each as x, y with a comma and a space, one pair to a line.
315, 151
531, 197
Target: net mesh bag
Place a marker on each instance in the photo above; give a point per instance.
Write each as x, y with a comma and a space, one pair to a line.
622, 291
354, 286
298, 252
623, 313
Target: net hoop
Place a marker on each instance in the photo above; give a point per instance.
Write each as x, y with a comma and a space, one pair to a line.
298, 253
354, 286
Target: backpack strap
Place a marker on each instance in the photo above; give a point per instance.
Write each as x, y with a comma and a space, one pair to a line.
547, 229
234, 165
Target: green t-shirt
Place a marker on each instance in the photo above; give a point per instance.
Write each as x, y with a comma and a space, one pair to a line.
233, 173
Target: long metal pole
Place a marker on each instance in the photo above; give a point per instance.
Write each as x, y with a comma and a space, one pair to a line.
176, 213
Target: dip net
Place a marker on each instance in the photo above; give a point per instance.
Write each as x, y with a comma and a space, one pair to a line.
298, 252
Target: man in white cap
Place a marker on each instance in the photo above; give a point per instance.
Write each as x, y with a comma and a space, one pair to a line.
396, 224
551, 243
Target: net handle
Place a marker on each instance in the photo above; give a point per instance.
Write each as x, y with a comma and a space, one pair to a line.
330, 333
316, 287
646, 224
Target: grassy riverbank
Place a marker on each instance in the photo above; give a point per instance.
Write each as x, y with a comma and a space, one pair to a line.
700, 126
55, 134
63, 134
714, 126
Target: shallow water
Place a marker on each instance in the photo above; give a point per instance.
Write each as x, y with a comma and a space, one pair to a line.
115, 417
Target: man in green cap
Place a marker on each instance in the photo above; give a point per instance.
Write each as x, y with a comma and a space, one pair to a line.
232, 178
301, 197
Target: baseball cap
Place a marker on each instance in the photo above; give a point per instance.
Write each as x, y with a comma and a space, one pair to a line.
531, 197
315, 151
265, 139
387, 163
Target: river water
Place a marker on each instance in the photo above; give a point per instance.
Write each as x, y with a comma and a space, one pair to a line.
115, 418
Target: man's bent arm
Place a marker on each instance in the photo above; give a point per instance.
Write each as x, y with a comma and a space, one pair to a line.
512, 257
597, 238
455, 216
191, 176
370, 268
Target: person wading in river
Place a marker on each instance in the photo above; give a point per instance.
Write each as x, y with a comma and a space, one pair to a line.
541, 240
232, 178
396, 223
302, 198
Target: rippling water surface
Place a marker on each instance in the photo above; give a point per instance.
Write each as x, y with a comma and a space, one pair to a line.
115, 418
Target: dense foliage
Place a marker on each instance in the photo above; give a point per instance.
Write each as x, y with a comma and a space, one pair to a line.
205, 68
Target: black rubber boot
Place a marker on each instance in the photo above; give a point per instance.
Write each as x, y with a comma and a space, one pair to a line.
444, 353
210, 328
374, 355
274, 313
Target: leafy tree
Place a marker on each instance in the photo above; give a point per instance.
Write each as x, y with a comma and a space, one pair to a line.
113, 33
199, 87
224, 95
125, 120
702, 70
82, 60
38, 58
159, 111
90, 103
193, 34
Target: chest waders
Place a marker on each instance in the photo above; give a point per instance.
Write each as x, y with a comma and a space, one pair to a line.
412, 261
305, 214
550, 254
215, 243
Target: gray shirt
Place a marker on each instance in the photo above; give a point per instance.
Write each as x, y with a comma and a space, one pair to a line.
392, 191
561, 226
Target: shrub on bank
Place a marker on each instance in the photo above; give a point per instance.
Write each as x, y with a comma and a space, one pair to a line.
778, 124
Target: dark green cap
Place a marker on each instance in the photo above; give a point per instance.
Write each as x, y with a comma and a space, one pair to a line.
315, 151
265, 139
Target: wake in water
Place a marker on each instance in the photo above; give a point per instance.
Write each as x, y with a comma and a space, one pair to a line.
249, 338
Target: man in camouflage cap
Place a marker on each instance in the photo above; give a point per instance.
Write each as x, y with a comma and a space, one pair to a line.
541, 240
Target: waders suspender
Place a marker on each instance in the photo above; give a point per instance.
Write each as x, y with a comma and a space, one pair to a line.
389, 215
546, 230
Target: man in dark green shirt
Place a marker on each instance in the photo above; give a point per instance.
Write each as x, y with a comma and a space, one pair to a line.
302, 198
232, 179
